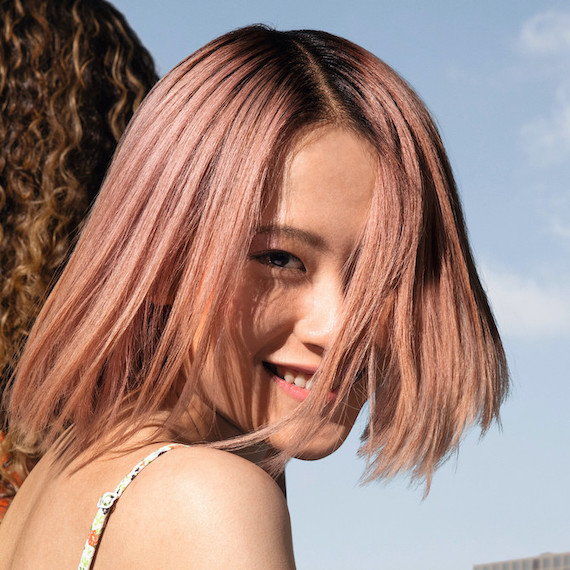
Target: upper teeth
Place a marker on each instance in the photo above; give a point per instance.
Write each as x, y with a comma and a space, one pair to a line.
297, 378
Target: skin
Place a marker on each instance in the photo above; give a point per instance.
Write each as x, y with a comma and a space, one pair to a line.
291, 293
204, 508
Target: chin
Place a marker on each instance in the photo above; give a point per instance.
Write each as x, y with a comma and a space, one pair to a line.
325, 442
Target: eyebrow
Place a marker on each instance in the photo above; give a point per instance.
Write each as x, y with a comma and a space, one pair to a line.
302, 235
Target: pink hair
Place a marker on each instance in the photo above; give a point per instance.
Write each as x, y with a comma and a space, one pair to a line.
174, 220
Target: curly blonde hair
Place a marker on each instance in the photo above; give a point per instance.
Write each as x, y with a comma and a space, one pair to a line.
72, 72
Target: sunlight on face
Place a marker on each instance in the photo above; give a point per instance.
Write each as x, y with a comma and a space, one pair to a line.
291, 294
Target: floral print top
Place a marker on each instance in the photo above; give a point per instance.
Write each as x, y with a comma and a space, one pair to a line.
106, 504
7, 489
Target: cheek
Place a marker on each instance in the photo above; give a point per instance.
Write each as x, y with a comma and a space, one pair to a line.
260, 314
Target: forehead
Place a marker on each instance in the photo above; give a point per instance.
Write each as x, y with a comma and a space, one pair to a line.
327, 184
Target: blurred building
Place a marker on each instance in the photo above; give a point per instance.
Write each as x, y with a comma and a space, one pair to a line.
547, 561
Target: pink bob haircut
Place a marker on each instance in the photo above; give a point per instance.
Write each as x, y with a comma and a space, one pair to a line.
144, 296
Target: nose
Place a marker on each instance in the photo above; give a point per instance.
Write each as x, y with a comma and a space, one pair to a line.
317, 324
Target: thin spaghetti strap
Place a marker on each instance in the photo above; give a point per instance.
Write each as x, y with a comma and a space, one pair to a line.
106, 503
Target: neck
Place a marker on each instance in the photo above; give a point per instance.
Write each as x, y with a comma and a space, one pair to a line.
201, 424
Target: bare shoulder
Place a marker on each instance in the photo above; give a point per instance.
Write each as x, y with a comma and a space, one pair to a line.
201, 508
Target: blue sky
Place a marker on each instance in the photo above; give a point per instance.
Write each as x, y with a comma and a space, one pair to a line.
496, 76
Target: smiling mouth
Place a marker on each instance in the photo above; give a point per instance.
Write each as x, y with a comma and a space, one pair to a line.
290, 375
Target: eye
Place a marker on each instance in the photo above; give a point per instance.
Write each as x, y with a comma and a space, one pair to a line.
279, 259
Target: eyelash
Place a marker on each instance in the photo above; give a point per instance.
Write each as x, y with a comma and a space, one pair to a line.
264, 257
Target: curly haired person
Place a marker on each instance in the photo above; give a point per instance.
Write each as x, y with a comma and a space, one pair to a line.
72, 72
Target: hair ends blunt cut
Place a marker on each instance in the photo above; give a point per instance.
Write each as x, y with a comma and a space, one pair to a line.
204, 152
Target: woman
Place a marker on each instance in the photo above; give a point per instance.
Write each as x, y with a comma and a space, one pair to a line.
71, 74
278, 240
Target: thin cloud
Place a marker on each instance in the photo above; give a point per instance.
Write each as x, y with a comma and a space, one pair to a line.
546, 140
526, 309
546, 33
561, 230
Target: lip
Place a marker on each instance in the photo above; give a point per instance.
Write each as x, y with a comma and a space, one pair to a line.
295, 392
306, 370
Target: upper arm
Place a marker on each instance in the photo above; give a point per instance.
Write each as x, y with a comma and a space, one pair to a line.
242, 521
205, 509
